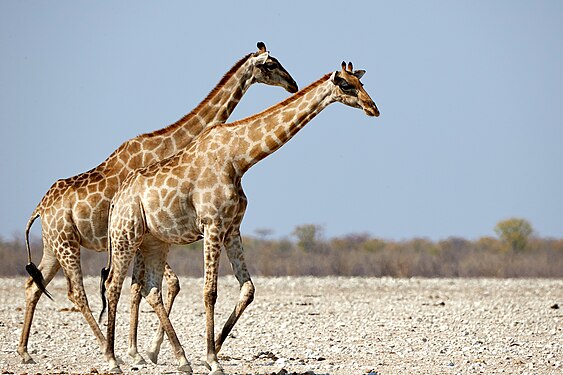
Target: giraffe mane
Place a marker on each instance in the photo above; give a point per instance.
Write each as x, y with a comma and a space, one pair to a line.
283, 103
184, 119
211, 94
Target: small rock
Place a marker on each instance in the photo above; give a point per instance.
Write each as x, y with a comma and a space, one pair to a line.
266, 355
555, 306
280, 362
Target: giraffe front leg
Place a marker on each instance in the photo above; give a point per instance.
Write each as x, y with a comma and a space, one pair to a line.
113, 287
121, 259
49, 266
136, 287
154, 298
155, 258
212, 251
172, 291
238, 264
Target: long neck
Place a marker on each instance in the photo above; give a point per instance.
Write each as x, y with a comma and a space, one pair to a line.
264, 133
148, 148
217, 106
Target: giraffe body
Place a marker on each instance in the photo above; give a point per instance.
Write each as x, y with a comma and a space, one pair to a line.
198, 193
74, 211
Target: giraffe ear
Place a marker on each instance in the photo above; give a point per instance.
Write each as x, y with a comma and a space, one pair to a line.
333, 77
359, 73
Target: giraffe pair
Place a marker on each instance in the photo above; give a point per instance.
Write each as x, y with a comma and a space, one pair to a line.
197, 194
74, 211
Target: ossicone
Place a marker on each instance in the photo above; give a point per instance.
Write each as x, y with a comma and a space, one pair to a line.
261, 47
350, 70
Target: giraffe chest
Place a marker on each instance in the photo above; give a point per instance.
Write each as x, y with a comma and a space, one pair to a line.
182, 220
169, 218
221, 203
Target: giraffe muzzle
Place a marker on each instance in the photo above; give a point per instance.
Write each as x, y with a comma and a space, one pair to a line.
292, 87
371, 110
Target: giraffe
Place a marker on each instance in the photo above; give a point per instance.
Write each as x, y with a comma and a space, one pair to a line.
197, 194
74, 211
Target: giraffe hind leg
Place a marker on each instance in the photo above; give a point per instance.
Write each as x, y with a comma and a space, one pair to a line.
49, 265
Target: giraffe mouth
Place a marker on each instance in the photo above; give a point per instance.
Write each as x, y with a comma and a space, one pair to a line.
292, 87
371, 110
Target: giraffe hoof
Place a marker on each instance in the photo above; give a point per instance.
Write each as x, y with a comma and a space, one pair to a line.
26, 358
186, 368
139, 361
214, 368
115, 370
28, 361
203, 362
153, 357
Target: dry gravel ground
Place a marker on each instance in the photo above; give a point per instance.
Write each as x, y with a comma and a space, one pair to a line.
307, 325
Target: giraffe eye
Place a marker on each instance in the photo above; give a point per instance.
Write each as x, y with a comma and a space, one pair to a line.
346, 86
269, 66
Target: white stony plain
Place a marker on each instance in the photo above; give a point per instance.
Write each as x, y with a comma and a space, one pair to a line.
306, 325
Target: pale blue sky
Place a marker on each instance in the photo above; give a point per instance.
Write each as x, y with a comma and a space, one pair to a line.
470, 93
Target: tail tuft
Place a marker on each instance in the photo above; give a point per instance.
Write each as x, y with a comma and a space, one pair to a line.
104, 276
37, 277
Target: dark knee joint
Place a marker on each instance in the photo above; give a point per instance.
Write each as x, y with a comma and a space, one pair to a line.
210, 297
31, 290
247, 291
136, 287
154, 297
173, 283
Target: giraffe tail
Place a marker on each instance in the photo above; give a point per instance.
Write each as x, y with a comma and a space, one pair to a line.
105, 272
31, 268
104, 276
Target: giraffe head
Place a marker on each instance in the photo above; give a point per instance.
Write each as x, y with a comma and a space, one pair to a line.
269, 71
350, 91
